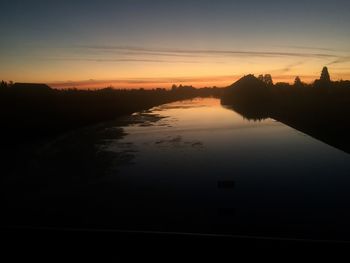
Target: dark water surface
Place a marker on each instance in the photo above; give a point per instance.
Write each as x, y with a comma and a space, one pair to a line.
195, 166
203, 168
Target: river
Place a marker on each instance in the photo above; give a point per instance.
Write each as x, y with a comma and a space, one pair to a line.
204, 168
191, 166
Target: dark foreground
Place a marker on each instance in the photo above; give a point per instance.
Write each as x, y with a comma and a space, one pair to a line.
68, 195
61, 244
91, 163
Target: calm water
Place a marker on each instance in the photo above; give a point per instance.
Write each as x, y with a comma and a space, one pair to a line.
204, 168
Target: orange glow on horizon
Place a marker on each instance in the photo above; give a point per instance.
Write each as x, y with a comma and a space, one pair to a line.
204, 71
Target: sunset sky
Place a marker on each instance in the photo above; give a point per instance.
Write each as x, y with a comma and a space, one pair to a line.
141, 43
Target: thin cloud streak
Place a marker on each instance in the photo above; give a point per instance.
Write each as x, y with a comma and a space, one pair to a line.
210, 52
159, 54
311, 48
122, 60
287, 68
340, 60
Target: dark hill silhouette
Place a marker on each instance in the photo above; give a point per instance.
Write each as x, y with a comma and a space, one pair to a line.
248, 88
248, 82
248, 95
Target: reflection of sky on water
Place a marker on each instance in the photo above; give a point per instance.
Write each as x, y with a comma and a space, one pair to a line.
280, 175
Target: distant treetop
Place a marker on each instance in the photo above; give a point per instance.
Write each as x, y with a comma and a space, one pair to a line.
325, 75
297, 82
267, 79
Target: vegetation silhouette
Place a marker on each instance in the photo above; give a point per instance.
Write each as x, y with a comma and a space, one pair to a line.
298, 83
321, 109
36, 111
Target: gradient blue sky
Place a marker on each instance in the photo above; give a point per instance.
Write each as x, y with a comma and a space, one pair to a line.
155, 43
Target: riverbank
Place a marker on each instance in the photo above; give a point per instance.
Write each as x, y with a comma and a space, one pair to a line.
29, 114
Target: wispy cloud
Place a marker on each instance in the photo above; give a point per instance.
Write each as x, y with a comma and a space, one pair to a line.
340, 60
117, 60
310, 48
206, 52
134, 54
287, 68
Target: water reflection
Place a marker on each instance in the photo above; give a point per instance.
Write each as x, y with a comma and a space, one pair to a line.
248, 114
202, 167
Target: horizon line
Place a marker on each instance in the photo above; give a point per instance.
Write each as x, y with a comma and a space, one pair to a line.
167, 82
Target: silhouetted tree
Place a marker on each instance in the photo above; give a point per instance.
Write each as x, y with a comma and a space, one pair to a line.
268, 80
325, 78
297, 82
261, 77
3, 84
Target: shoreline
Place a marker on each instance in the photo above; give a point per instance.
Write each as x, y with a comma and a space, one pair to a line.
322, 113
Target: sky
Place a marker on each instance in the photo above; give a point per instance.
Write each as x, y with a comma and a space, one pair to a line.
153, 43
